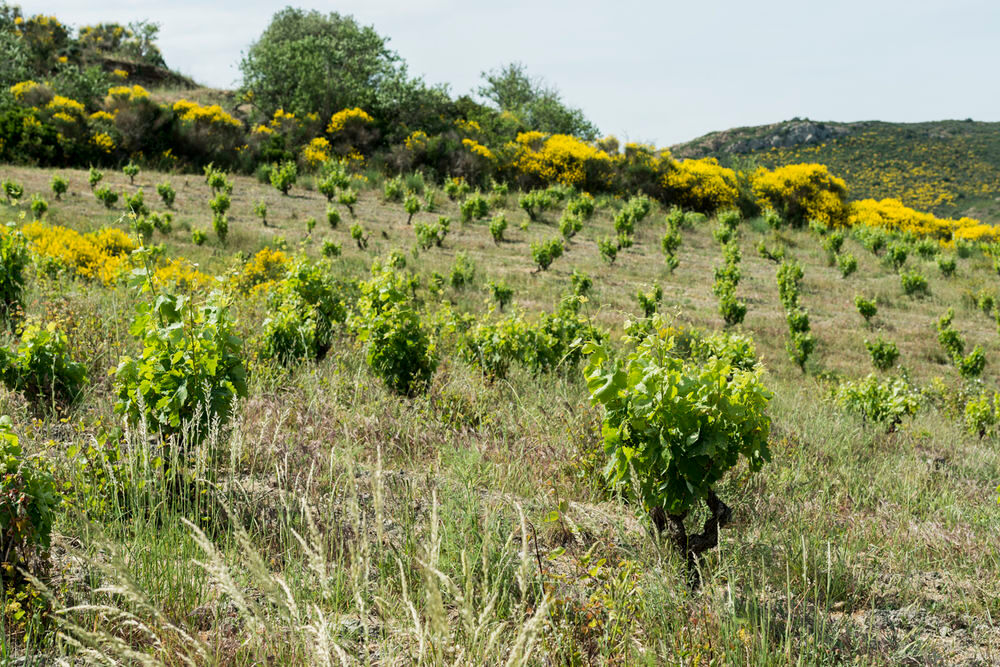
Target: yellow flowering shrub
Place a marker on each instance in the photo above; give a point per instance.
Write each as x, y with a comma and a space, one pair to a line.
101, 116
802, 192
316, 152
478, 149
417, 141
703, 185
120, 73
206, 115
21, 89
181, 274
103, 141
348, 117
102, 255
892, 215
262, 130
266, 266
128, 93
559, 158
468, 126
64, 104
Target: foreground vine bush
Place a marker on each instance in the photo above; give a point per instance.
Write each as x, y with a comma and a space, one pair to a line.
885, 402
190, 371
398, 348
42, 367
674, 426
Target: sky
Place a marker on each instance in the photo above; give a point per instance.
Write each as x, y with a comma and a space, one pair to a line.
656, 71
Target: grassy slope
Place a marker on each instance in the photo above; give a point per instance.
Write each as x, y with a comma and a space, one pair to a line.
852, 544
949, 167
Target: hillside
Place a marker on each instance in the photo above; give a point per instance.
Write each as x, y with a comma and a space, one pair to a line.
376, 522
951, 168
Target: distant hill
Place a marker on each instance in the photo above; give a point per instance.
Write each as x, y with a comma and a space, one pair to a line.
949, 167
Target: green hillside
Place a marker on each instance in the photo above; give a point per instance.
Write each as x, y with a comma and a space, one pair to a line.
951, 168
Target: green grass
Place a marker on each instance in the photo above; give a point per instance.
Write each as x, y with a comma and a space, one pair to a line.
337, 519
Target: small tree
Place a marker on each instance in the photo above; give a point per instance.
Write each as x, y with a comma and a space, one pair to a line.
59, 186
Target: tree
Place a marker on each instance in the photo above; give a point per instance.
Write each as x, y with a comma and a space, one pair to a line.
310, 62
535, 102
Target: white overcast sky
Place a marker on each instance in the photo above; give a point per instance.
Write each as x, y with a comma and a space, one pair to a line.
661, 71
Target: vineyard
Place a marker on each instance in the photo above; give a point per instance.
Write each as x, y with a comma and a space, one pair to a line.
324, 388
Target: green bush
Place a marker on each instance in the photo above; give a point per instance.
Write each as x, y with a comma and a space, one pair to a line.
131, 170
28, 505
866, 307
475, 207
582, 207
882, 402
94, 177
167, 193
220, 223
672, 428
198, 237
608, 249
14, 259
260, 209
569, 225
498, 225
283, 176
217, 180
332, 249
546, 252
190, 371
59, 186
582, 283
951, 341
649, 301
946, 265
39, 207
412, 206
359, 236
847, 264
501, 293
392, 190
914, 283
982, 414
398, 348
348, 198
669, 244
463, 271
13, 191
220, 203
429, 235
42, 368
289, 335
896, 254
536, 202
882, 352
106, 196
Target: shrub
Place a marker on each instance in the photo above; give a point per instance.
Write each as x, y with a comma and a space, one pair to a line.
260, 210
283, 176
927, 248
167, 193
412, 206
42, 368
463, 271
397, 346
198, 237
946, 264
359, 236
289, 335
106, 196
348, 198
310, 225
217, 180
546, 252
951, 341
608, 249
581, 207
332, 249
833, 242
220, 224
896, 253
59, 186
866, 307
162, 222
669, 244
847, 264
582, 283
569, 225
136, 203
13, 191
777, 255
392, 190
332, 217
432, 234
696, 420
498, 225
28, 505
802, 192
474, 207
14, 259
882, 352
789, 278
501, 293
131, 170
220, 203
190, 371
456, 188
882, 402
982, 414
39, 207
733, 310
649, 301
535, 203
913, 283
94, 177
143, 226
